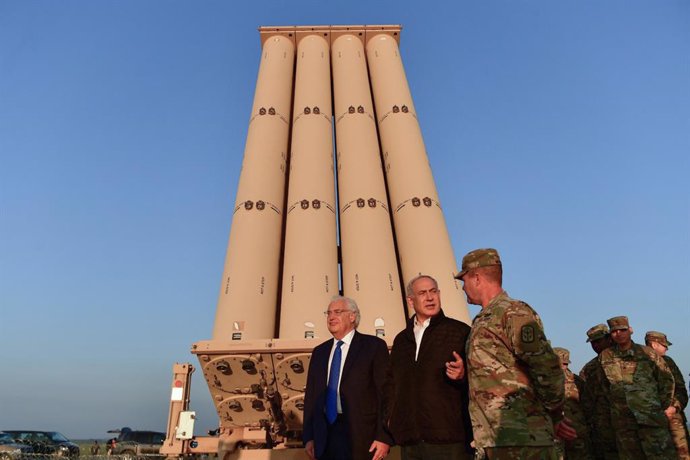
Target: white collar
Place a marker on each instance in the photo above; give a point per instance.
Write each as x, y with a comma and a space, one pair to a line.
347, 339
423, 324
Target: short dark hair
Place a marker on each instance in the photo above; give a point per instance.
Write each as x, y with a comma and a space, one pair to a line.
492, 273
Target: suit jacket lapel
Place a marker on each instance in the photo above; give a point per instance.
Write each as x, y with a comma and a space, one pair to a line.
351, 354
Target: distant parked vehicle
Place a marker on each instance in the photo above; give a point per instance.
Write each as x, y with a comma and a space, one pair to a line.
137, 443
45, 442
9, 449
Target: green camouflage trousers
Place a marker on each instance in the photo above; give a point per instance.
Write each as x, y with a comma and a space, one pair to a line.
645, 442
577, 449
521, 453
679, 436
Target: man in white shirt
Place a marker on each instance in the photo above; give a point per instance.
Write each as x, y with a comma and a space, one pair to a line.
429, 418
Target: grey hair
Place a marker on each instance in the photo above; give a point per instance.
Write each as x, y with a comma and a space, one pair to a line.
351, 305
410, 292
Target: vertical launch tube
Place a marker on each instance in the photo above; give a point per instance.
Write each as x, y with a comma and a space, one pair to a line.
249, 287
423, 242
310, 267
369, 265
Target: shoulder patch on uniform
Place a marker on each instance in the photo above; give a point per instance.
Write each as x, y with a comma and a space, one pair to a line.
527, 333
529, 337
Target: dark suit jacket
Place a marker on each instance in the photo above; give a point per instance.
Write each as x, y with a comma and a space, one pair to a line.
364, 395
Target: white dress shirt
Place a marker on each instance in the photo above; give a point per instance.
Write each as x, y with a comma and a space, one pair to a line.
418, 330
344, 348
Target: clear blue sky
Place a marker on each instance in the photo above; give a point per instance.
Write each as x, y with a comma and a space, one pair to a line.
558, 133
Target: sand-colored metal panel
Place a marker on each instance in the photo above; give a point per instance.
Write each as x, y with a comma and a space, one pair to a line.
310, 268
257, 383
249, 286
334, 31
421, 235
179, 401
369, 267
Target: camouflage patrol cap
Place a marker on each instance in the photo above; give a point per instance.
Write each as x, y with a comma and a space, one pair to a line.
618, 322
654, 336
478, 258
563, 354
597, 332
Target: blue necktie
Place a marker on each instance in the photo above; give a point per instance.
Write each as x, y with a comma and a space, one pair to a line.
332, 390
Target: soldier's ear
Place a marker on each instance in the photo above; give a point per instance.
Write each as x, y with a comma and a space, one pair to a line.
631, 330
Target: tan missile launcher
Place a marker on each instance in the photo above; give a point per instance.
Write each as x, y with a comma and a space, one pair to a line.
312, 224
249, 286
420, 228
310, 268
369, 265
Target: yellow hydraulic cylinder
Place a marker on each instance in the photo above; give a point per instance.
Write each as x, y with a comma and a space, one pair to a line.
369, 266
249, 287
310, 268
423, 243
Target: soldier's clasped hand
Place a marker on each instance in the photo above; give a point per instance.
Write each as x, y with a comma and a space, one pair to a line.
564, 430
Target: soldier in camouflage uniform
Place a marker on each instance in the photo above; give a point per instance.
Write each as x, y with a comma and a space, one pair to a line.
640, 390
595, 397
676, 415
579, 448
517, 388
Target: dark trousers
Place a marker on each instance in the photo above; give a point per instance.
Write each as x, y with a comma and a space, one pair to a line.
338, 442
426, 451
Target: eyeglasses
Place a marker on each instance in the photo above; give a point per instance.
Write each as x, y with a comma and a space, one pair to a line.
335, 312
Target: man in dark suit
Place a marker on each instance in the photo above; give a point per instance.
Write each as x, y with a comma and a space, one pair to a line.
346, 395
